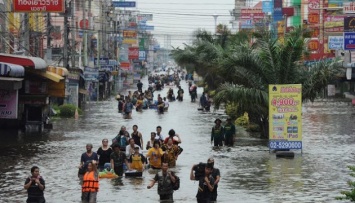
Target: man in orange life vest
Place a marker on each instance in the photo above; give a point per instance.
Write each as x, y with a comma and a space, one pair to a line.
90, 185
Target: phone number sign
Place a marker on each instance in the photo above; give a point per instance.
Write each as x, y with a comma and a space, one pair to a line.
285, 119
35, 6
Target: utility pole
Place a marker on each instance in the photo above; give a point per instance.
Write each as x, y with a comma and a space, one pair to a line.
215, 16
72, 31
85, 35
26, 33
66, 41
49, 46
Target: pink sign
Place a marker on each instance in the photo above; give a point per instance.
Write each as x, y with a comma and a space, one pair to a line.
8, 104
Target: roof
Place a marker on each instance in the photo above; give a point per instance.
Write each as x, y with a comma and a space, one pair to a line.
25, 61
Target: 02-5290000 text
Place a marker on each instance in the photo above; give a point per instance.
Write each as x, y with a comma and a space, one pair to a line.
285, 145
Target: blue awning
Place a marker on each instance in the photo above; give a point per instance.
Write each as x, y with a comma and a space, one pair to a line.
13, 70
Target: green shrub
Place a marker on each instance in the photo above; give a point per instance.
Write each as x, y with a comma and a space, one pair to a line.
232, 110
243, 120
68, 110
349, 195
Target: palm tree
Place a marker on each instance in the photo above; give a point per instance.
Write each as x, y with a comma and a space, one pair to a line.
250, 69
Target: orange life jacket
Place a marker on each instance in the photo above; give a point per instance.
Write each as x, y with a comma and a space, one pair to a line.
90, 182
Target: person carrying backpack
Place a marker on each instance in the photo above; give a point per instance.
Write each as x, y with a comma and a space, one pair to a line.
166, 181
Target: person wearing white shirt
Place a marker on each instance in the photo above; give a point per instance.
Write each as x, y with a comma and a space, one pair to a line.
166, 104
130, 148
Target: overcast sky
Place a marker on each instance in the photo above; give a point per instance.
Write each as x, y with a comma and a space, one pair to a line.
179, 18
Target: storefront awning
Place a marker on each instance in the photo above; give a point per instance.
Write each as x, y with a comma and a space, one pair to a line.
12, 70
25, 61
49, 75
58, 70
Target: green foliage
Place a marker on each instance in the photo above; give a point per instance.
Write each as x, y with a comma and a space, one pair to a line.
68, 110
349, 195
253, 128
243, 120
232, 110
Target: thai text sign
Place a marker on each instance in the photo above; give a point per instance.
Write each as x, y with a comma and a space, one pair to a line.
252, 13
349, 41
349, 7
349, 24
335, 42
38, 6
8, 104
129, 34
285, 120
133, 53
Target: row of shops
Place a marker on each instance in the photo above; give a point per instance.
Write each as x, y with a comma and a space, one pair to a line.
29, 87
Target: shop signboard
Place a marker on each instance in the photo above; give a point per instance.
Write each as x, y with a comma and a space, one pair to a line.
251, 13
133, 52
129, 34
144, 17
142, 55
285, 116
101, 61
8, 104
336, 42
277, 14
35, 87
267, 6
124, 4
349, 24
349, 41
33, 6
348, 7
91, 73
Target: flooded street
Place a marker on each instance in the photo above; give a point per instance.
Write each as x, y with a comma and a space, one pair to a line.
249, 172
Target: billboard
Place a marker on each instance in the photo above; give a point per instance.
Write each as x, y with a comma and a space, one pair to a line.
133, 53
349, 41
349, 24
129, 34
336, 42
251, 13
285, 119
8, 104
53, 6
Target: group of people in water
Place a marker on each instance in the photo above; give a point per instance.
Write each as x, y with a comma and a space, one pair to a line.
125, 153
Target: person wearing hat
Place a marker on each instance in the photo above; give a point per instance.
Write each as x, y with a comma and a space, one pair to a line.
229, 129
137, 160
117, 159
217, 134
216, 174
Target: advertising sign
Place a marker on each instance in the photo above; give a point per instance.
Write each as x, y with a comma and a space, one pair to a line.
349, 7
129, 41
141, 55
144, 17
129, 34
35, 6
335, 3
124, 52
133, 53
124, 4
333, 23
91, 73
336, 42
8, 104
349, 41
277, 15
349, 24
125, 65
251, 13
102, 61
285, 119
267, 6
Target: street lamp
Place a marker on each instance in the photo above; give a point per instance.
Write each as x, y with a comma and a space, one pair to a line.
215, 16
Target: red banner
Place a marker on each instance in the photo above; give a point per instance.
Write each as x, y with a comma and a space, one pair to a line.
53, 6
133, 53
125, 65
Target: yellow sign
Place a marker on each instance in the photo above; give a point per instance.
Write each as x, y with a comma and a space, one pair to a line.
285, 116
130, 41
